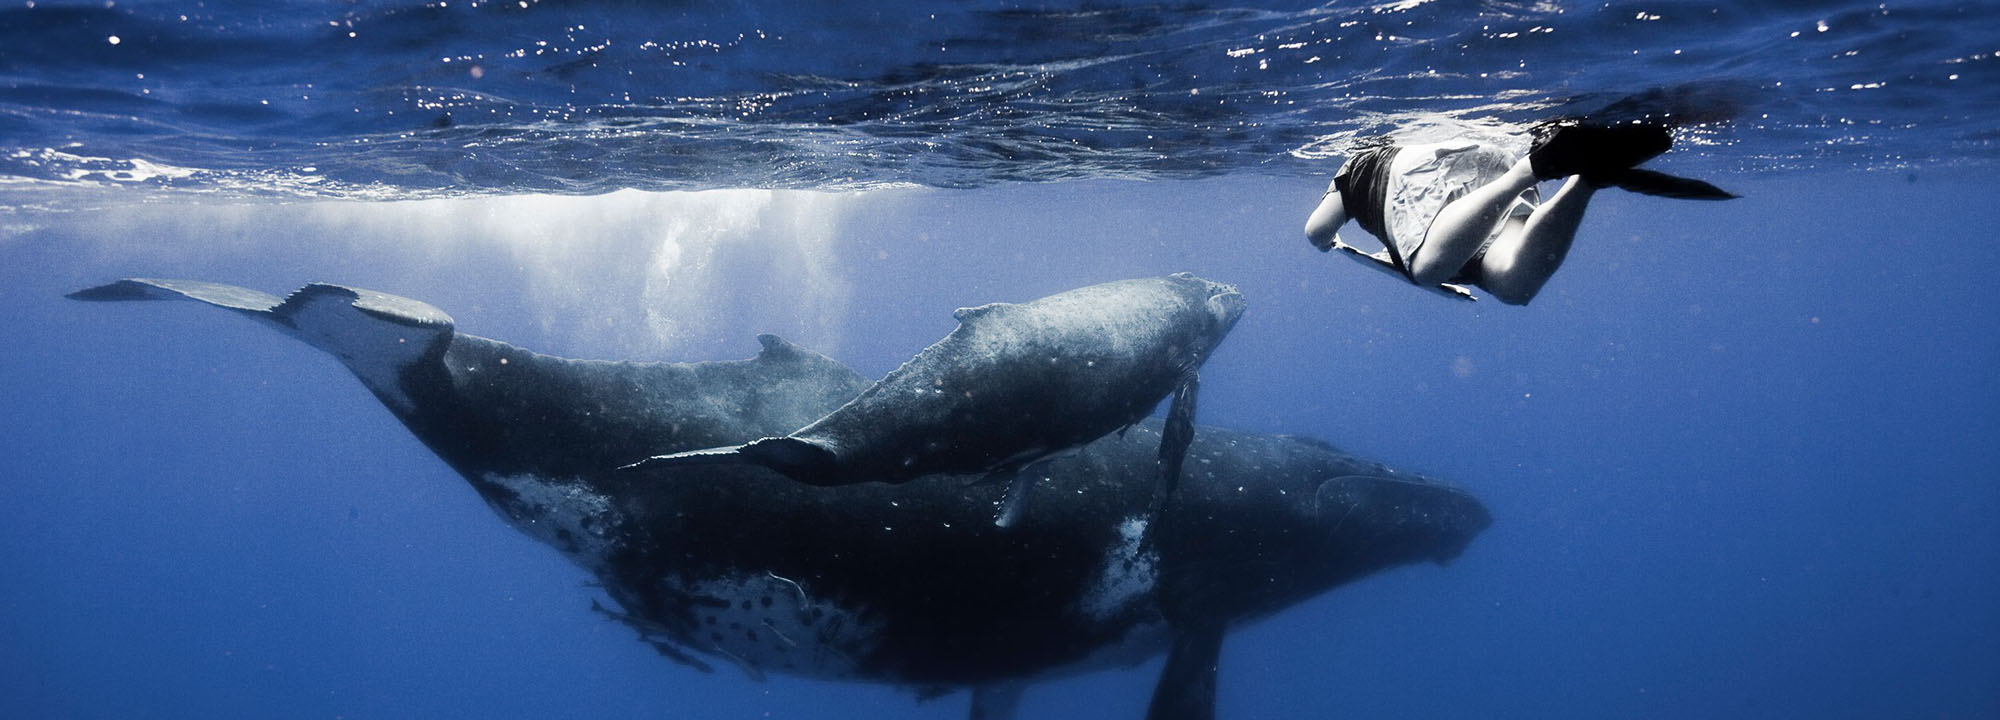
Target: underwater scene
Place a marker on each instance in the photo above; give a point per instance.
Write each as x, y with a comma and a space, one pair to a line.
1068, 359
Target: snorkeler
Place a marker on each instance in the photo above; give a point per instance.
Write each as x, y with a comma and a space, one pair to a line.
1464, 212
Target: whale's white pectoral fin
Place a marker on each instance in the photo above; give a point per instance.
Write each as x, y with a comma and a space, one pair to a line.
997, 701
1187, 686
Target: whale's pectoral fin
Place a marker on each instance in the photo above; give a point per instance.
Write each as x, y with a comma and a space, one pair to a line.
997, 701
801, 460
1014, 502
731, 455
376, 335
1175, 437
1186, 690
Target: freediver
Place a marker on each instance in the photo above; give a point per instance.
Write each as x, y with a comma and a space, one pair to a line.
1466, 212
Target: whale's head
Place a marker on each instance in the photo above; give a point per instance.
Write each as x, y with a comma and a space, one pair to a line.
1222, 305
1262, 522
1407, 518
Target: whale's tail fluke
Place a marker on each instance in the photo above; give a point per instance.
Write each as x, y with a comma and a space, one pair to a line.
376, 335
243, 300
802, 460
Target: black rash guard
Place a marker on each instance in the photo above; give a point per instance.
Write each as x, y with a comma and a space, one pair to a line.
1363, 182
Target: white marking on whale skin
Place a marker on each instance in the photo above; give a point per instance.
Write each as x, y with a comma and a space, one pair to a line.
772, 623
1127, 578
568, 516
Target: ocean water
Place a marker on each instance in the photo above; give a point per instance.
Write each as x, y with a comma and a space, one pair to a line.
1740, 456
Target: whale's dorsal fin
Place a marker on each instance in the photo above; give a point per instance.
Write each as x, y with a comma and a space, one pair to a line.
967, 315
777, 348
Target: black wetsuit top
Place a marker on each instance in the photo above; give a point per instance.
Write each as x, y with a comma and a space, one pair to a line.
1363, 182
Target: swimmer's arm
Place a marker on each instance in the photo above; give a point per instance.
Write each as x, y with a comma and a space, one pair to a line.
1380, 261
1325, 220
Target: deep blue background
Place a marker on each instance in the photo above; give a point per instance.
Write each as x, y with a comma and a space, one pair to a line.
1741, 456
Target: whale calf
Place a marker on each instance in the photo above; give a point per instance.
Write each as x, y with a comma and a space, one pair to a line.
905, 584
1014, 383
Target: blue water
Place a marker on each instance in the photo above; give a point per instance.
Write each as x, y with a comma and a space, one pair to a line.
380, 100
1740, 455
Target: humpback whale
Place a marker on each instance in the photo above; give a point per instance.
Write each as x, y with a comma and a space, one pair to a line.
1014, 383
905, 584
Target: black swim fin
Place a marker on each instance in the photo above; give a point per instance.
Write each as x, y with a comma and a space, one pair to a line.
1659, 184
1574, 147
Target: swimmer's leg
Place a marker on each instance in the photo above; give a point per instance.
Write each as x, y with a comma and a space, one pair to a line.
1462, 226
1519, 263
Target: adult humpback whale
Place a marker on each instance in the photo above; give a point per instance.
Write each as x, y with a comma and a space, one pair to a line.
906, 584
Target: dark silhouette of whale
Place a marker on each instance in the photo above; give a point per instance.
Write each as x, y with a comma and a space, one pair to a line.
905, 584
